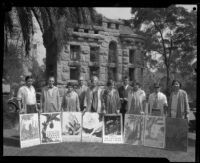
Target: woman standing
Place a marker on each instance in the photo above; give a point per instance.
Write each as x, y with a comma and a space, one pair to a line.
111, 99
178, 102
70, 102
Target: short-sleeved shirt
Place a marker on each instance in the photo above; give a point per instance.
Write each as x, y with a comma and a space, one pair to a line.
27, 95
161, 101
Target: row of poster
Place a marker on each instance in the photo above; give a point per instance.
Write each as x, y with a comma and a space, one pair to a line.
152, 131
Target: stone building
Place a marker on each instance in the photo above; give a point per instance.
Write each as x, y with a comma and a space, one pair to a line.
110, 50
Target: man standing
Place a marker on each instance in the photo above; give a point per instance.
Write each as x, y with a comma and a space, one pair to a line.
94, 99
136, 100
157, 102
50, 98
124, 90
26, 97
81, 91
178, 102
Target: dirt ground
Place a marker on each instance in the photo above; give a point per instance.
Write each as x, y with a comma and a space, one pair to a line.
11, 147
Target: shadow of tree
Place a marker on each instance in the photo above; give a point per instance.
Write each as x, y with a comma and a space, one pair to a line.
191, 142
11, 142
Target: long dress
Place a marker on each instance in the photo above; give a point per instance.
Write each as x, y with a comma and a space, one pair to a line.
70, 102
111, 101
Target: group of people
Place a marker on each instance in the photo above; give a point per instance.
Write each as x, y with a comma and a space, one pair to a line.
127, 99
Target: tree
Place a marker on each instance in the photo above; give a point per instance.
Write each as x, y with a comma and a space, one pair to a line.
166, 29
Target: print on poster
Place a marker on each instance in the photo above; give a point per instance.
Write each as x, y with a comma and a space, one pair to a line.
92, 127
112, 128
176, 134
71, 126
133, 129
29, 130
50, 128
154, 134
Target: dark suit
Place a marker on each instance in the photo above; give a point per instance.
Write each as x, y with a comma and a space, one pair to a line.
123, 93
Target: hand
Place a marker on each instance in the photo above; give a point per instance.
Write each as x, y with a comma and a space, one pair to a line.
118, 111
22, 111
142, 113
125, 99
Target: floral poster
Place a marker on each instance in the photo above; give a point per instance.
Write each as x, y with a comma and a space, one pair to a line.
154, 134
112, 128
50, 127
71, 126
92, 127
29, 130
176, 134
133, 129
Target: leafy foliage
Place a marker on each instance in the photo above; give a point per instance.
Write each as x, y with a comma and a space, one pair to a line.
171, 32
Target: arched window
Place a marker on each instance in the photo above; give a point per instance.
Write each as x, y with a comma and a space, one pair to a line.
112, 52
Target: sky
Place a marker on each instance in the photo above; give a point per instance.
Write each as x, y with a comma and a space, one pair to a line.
124, 12
109, 12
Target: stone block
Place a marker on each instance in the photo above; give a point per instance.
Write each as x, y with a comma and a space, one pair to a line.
65, 69
65, 76
65, 57
81, 30
104, 24
125, 53
91, 31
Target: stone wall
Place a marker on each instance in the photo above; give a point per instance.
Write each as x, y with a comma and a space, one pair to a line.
100, 37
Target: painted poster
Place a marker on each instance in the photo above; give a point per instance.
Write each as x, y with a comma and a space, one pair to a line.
112, 129
92, 127
29, 130
50, 127
71, 126
176, 134
154, 134
133, 129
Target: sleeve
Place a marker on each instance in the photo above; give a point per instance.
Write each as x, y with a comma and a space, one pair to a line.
42, 100
118, 100
187, 108
77, 103
20, 93
58, 100
63, 102
165, 100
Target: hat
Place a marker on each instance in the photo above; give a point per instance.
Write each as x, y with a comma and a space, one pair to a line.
156, 85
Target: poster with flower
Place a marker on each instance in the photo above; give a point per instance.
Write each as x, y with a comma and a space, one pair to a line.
50, 127
133, 129
112, 128
92, 127
29, 130
154, 133
176, 134
71, 126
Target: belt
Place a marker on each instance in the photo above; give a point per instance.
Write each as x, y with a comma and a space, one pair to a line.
31, 105
155, 109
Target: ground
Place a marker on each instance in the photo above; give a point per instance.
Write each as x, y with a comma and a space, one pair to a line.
11, 147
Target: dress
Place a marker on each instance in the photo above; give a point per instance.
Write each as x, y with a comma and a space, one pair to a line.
50, 99
136, 102
182, 107
70, 102
111, 101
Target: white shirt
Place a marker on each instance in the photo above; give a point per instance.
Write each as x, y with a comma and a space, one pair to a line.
162, 100
28, 94
174, 105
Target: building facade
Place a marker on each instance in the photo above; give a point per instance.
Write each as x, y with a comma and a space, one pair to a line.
110, 50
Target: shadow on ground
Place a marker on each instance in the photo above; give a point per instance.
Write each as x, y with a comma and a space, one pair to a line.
13, 142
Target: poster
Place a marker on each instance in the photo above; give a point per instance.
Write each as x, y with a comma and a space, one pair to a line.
154, 134
71, 126
50, 128
29, 130
133, 129
92, 127
176, 134
112, 128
